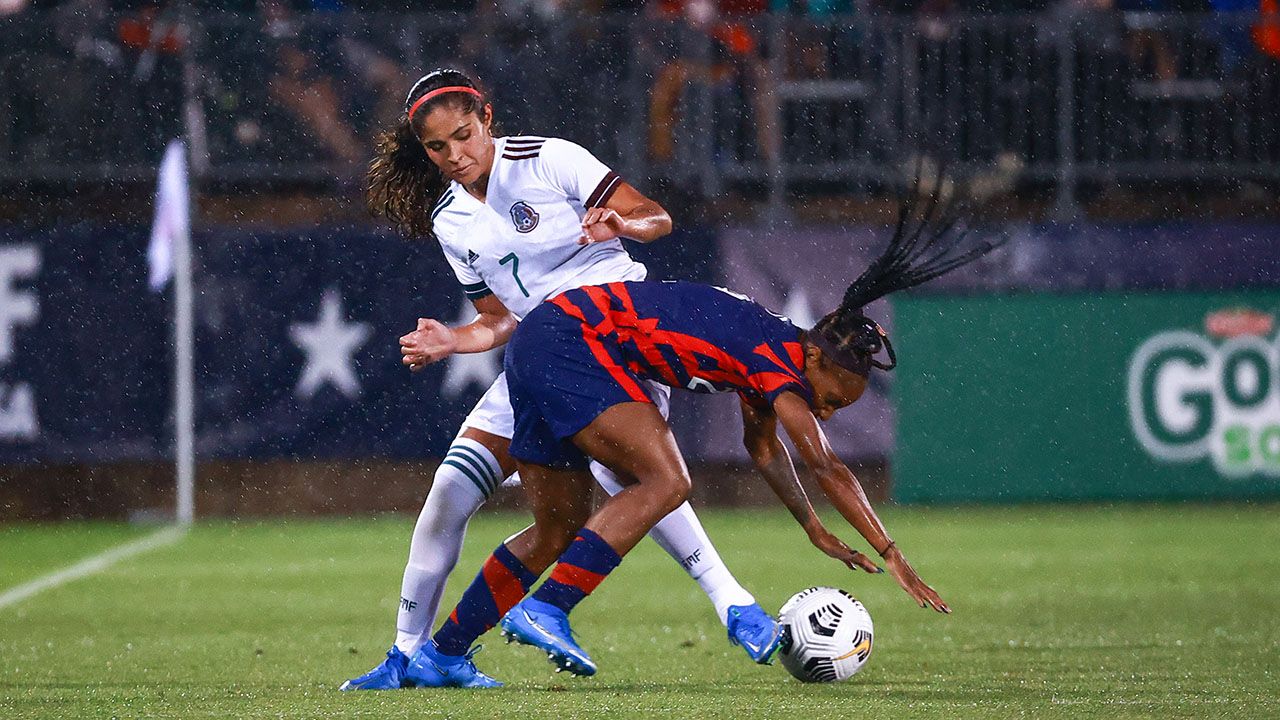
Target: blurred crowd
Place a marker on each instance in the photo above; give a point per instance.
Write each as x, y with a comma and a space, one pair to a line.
292, 81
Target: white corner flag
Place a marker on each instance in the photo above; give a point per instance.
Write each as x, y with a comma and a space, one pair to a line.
172, 222
169, 257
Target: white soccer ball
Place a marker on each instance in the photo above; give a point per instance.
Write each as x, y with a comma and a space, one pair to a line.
826, 635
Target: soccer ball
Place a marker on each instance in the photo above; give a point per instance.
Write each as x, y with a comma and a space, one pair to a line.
826, 635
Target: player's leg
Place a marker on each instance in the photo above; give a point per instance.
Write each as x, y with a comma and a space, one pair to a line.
470, 473
561, 502
635, 437
682, 536
473, 467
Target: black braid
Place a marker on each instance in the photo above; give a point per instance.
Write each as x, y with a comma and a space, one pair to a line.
848, 336
899, 267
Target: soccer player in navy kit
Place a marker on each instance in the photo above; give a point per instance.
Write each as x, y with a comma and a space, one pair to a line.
519, 219
575, 367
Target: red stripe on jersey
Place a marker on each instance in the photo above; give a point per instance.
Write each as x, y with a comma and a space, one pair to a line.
766, 351
572, 310
795, 351
503, 585
731, 371
640, 331
581, 578
592, 338
601, 300
767, 381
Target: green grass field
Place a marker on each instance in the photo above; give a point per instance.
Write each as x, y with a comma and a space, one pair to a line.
1080, 612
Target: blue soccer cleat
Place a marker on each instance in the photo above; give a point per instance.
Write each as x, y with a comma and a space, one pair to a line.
758, 633
546, 626
387, 676
431, 668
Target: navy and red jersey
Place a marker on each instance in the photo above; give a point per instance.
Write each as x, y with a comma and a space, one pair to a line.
590, 348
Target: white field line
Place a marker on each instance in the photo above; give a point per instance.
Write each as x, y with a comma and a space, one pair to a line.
91, 565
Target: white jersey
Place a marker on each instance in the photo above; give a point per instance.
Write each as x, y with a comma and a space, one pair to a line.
521, 244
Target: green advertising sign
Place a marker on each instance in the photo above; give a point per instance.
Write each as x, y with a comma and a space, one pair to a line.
1133, 396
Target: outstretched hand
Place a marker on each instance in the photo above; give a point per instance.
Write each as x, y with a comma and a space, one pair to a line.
836, 548
601, 224
906, 576
430, 342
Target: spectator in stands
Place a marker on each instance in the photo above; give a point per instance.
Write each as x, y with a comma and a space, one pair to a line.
1240, 39
812, 44
152, 37
735, 58
80, 49
1267, 32
1148, 46
306, 89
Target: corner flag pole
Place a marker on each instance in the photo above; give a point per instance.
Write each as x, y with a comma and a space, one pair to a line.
169, 258
184, 374
184, 315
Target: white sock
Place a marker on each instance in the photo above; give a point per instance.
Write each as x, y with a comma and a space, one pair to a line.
464, 480
682, 536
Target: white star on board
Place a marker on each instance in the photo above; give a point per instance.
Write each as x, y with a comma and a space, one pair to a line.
330, 344
798, 309
464, 369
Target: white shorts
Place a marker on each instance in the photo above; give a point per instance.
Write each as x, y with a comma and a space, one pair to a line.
493, 414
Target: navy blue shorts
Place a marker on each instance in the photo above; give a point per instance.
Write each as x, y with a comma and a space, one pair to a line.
562, 375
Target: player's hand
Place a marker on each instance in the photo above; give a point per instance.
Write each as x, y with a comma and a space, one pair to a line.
836, 548
601, 224
906, 576
432, 341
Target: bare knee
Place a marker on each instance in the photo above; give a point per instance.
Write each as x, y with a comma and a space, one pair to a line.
671, 492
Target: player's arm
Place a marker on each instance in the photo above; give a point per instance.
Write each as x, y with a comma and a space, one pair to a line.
760, 435
433, 341
845, 492
628, 213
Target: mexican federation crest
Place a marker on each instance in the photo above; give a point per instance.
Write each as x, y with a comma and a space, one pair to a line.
524, 217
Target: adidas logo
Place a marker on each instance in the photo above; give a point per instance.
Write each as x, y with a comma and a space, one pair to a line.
472, 256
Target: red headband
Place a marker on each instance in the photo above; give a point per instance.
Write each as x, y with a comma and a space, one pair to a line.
441, 91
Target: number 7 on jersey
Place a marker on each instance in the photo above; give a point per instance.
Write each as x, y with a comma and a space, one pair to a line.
515, 270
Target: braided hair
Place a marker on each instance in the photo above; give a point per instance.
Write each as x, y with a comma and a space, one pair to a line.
403, 183
926, 243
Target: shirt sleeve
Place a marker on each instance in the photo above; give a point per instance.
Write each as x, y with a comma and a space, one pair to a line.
473, 286
577, 173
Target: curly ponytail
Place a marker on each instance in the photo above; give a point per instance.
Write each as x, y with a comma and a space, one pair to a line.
403, 183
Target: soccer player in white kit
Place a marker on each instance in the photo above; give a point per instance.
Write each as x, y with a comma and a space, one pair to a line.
520, 219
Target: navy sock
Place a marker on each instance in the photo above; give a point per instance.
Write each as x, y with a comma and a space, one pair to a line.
581, 568
501, 583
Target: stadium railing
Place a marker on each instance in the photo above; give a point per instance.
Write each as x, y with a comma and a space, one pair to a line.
778, 102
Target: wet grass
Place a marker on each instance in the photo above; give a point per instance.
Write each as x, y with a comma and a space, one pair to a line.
1168, 611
